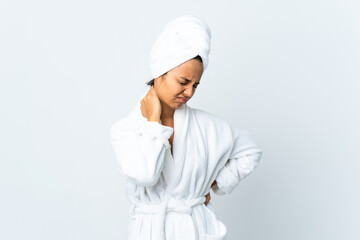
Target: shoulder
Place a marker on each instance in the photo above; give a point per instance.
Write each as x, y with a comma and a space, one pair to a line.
208, 115
128, 122
207, 118
120, 125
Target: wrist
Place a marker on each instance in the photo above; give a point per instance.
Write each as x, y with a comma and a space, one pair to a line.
154, 120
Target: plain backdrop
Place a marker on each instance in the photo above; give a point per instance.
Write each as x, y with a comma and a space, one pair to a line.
287, 70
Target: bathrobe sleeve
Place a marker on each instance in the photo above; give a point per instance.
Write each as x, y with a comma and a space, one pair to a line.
140, 149
244, 157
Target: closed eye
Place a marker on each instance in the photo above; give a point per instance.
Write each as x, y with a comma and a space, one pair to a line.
186, 83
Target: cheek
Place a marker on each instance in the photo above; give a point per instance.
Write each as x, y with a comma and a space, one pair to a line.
168, 92
174, 89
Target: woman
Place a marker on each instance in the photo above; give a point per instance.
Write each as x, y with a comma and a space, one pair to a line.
171, 154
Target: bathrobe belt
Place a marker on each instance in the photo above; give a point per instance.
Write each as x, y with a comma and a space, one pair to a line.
169, 204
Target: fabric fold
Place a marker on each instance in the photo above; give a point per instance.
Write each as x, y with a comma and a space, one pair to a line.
157, 130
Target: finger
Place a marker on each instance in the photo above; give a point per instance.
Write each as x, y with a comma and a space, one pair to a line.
207, 197
214, 182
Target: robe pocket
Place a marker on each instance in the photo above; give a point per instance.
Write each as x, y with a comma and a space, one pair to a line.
220, 233
220, 236
131, 228
135, 227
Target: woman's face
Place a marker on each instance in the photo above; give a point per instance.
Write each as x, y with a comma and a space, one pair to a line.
173, 88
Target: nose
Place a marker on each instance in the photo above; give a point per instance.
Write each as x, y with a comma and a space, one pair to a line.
189, 92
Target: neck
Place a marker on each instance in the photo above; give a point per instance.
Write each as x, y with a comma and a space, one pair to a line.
166, 112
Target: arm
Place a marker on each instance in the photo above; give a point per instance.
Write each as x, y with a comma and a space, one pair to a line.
244, 157
140, 149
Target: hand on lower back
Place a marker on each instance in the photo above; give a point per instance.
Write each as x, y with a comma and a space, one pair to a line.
208, 197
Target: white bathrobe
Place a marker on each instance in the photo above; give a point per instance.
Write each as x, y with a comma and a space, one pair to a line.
167, 191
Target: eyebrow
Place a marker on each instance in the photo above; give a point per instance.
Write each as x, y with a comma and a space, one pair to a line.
189, 80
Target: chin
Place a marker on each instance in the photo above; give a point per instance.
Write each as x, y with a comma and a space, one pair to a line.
176, 105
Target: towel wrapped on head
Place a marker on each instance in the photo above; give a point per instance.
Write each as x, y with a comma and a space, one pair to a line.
181, 40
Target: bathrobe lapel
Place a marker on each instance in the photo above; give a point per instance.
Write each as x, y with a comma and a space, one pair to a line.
181, 131
181, 127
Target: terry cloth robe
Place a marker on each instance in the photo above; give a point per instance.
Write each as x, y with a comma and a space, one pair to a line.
167, 191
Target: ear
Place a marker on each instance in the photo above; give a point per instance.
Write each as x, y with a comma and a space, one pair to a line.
158, 80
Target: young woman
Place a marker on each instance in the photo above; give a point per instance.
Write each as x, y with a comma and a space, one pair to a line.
172, 154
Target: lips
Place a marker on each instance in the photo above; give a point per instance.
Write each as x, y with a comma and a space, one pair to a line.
183, 100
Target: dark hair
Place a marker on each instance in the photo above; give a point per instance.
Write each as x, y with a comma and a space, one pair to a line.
151, 82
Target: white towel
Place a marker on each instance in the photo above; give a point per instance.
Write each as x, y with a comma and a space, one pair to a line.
181, 40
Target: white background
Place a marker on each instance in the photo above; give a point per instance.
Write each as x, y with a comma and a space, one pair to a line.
287, 71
